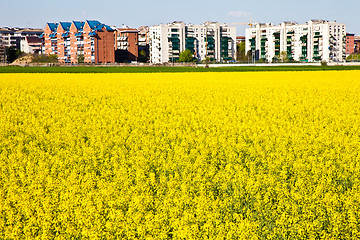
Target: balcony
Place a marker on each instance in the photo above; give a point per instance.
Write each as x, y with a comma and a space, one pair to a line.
122, 38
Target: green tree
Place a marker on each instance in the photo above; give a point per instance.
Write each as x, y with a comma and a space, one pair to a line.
12, 54
81, 58
241, 55
283, 56
142, 56
186, 56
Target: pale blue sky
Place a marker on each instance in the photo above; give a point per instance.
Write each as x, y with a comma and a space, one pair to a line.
37, 13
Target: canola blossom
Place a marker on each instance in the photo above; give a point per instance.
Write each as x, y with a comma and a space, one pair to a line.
267, 155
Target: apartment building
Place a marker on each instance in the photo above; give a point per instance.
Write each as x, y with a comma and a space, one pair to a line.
77, 41
314, 41
209, 40
31, 45
50, 38
24, 33
126, 44
11, 37
350, 44
143, 42
2, 53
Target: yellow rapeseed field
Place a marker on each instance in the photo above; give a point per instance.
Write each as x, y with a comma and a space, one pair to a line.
268, 155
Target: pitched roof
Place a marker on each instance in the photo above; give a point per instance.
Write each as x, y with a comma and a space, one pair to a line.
93, 23
53, 26
65, 25
79, 25
98, 26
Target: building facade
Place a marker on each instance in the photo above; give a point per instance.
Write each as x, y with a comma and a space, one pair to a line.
210, 40
126, 45
77, 41
314, 41
11, 37
350, 44
31, 45
357, 44
50, 38
143, 43
2, 53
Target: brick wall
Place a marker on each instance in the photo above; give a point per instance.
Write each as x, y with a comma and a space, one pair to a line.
104, 47
350, 46
47, 40
60, 44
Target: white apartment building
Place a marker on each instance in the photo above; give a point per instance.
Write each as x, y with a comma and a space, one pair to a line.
11, 37
211, 39
314, 41
31, 45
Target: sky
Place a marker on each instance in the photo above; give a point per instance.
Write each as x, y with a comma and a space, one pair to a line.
36, 13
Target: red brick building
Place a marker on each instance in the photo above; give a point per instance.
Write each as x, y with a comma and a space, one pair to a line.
350, 46
77, 42
50, 38
127, 48
89, 41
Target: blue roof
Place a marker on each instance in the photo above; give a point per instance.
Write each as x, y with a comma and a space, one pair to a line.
65, 25
92, 34
78, 34
109, 28
93, 23
66, 34
98, 26
53, 26
78, 24
42, 35
52, 35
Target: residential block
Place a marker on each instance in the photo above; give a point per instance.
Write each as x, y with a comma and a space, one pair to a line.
126, 44
210, 40
350, 44
314, 41
77, 41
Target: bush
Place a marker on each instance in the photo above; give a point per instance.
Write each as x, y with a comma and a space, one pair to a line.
353, 57
13, 54
186, 56
42, 58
